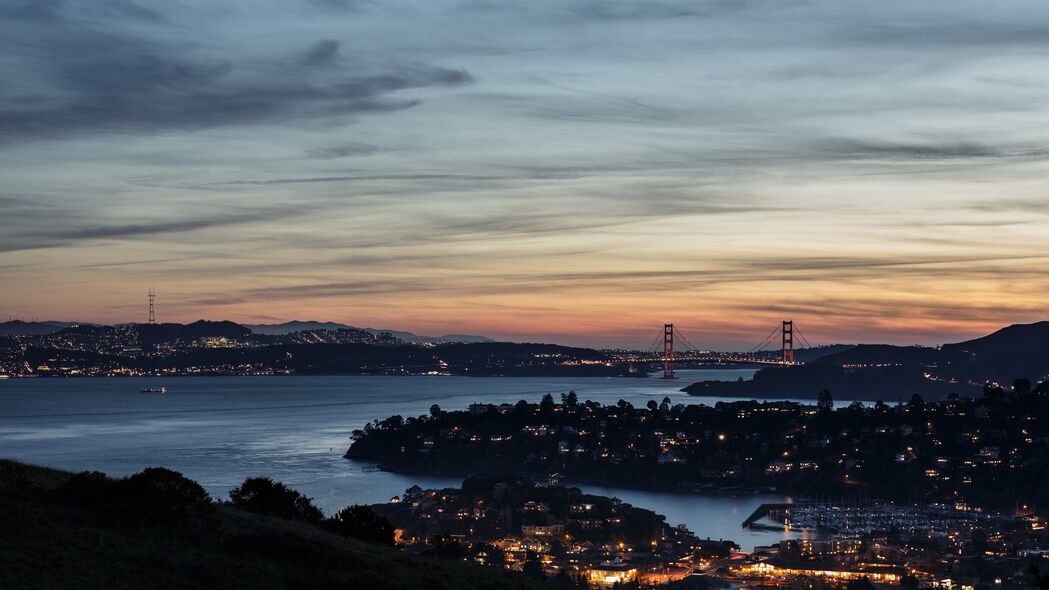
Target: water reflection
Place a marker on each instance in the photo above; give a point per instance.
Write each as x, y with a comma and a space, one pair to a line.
219, 430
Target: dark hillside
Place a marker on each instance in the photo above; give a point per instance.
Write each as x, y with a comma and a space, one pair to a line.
52, 539
1009, 341
889, 355
152, 334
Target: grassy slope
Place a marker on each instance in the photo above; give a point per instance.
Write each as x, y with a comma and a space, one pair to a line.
49, 542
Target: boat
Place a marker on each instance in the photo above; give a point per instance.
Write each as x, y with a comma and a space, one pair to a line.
154, 390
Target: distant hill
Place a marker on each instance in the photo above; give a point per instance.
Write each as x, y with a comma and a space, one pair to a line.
1011, 340
294, 326
474, 359
479, 359
808, 355
884, 371
152, 334
20, 328
60, 536
1020, 350
300, 326
805, 382
887, 354
417, 339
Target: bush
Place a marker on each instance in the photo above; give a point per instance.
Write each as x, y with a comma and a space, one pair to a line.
361, 522
164, 485
89, 487
262, 495
155, 494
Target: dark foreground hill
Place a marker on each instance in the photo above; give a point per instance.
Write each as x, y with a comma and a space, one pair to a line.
50, 539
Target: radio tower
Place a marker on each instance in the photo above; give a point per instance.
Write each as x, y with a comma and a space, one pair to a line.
152, 310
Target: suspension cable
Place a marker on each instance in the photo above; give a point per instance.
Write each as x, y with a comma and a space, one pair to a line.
768, 340
689, 344
803, 338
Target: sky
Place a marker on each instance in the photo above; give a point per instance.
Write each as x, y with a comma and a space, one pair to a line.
571, 171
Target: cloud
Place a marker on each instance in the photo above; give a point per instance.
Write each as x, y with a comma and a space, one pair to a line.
76, 229
325, 179
31, 10
852, 148
341, 151
596, 162
323, 53
88, 80
349, 5
1037, 205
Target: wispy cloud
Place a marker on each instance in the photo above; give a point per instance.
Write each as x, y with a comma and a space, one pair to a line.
525, 169
92, 79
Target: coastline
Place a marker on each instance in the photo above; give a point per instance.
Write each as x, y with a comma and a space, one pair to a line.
712, 491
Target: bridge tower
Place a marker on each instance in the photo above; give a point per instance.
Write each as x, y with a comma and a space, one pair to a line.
788, 342
668, 351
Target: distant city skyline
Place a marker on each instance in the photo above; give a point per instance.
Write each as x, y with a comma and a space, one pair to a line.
577, 173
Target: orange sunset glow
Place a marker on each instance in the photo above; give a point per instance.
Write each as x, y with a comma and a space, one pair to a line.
542, 192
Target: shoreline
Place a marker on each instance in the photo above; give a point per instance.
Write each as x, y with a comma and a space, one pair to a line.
713, 492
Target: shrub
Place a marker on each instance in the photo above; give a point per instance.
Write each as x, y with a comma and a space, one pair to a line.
155, 494
262, 495
163, 492
361, 522
88, 487
164, 485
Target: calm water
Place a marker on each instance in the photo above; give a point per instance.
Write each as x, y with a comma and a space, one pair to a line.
219, 430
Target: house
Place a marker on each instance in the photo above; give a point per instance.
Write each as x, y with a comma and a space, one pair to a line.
543, 531
609, 574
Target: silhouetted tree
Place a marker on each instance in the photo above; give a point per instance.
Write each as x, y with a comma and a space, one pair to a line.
361, 522
1040, 580
448, 547
652, 405
168, 483
991, 390
1022, 386
265, 496
863, 583
563, 580
435, 411
487, 554
824, 401
546, 406
89, 487
917, 404
532, 567
163, 491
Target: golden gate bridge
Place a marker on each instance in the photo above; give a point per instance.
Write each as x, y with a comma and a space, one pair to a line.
783, 333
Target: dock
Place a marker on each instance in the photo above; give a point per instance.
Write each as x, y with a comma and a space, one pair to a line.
763, 511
